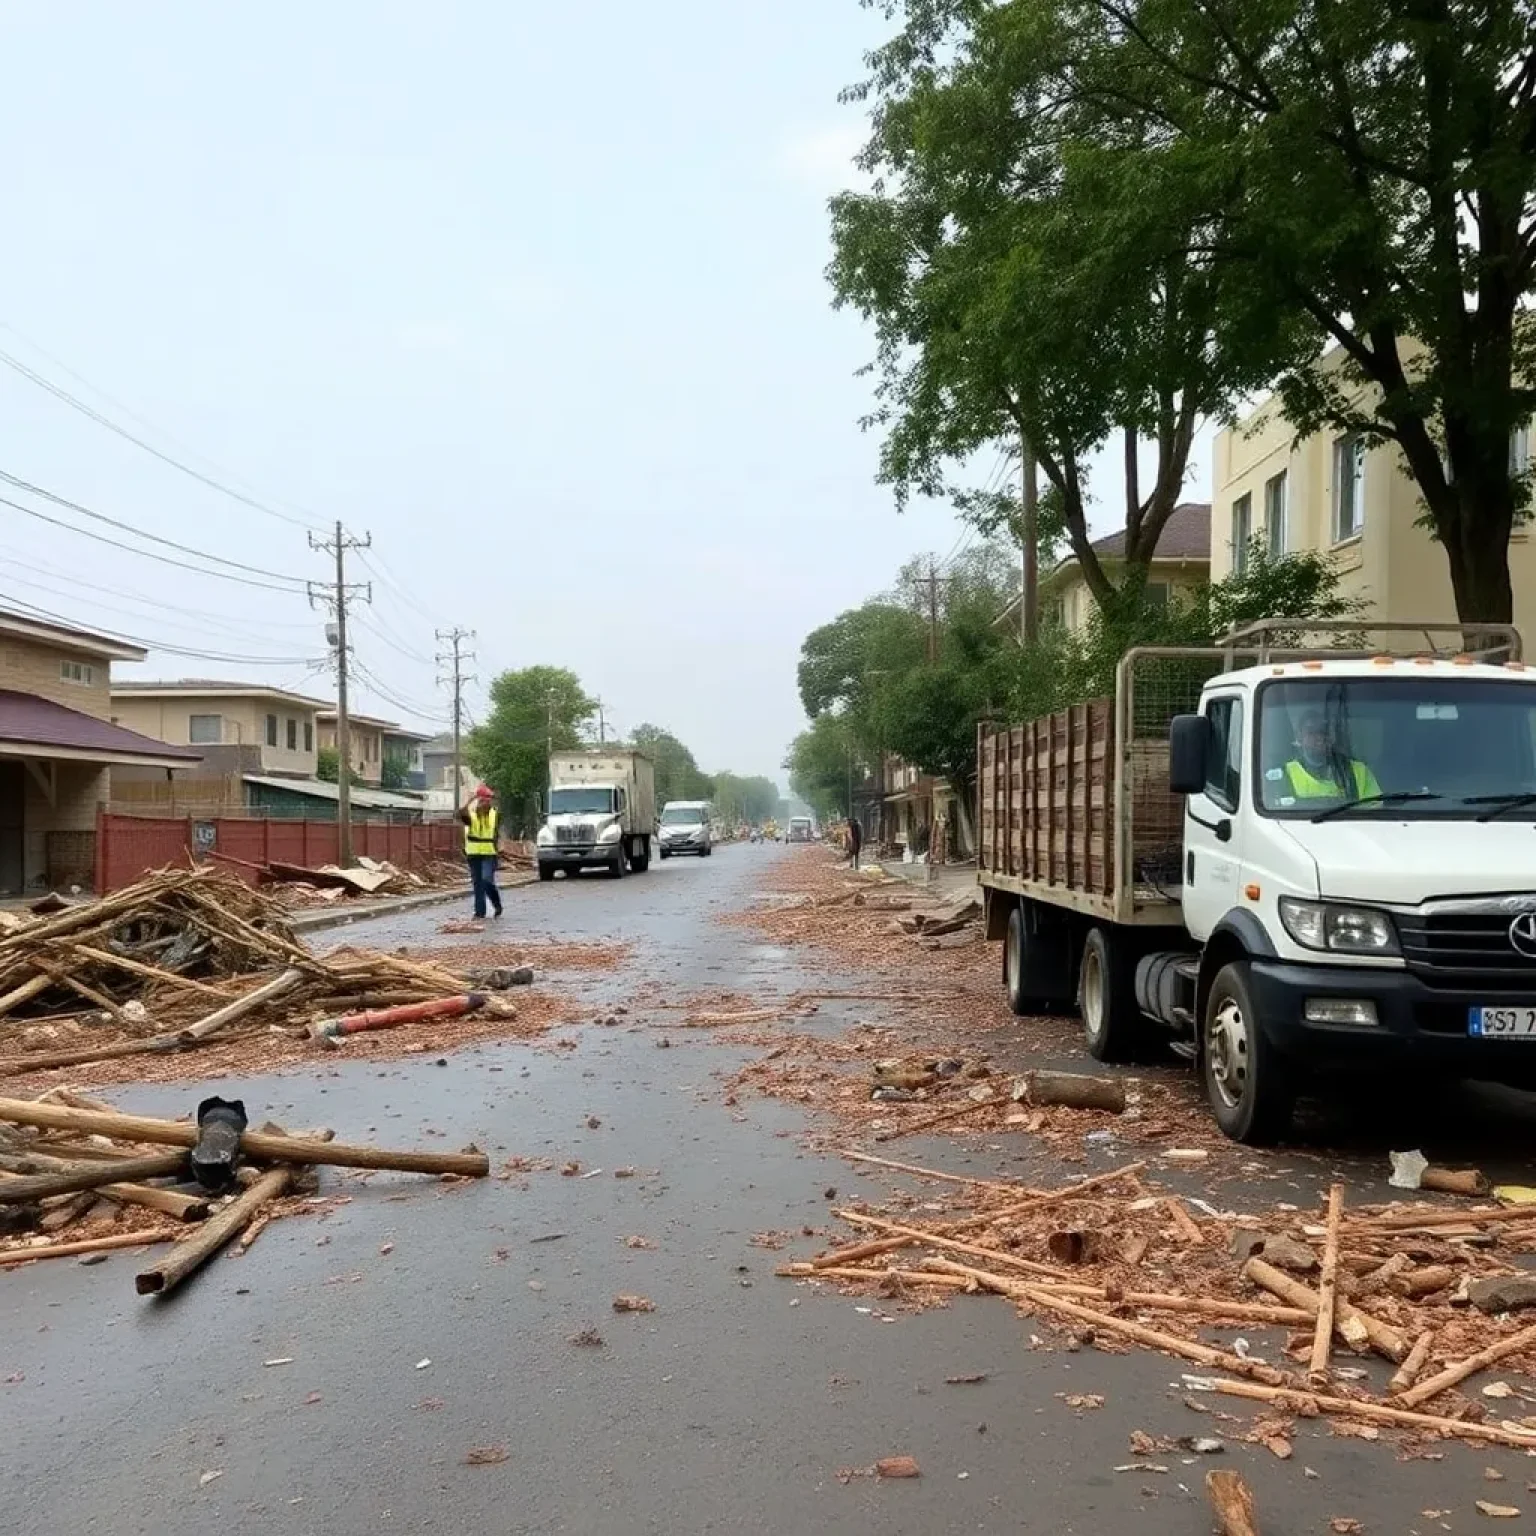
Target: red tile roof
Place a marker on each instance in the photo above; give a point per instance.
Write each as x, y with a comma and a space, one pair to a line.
29, 720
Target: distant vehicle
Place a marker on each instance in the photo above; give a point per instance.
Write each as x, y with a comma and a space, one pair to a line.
800, 829
602, 813
685, 828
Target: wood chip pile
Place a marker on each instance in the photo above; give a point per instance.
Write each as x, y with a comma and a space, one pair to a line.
1430, 1289
182, 958
79, 1179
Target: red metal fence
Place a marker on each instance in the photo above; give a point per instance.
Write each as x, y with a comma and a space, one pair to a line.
128, 847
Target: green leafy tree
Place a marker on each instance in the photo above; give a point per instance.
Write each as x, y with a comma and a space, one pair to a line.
818, 764
736, 798
328, 767
1363, 169
532, 710
395, 771
678, 775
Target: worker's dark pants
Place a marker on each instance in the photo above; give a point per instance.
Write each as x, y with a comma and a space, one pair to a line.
482, 877
853, 857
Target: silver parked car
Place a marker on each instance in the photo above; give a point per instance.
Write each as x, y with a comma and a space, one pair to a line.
685, 828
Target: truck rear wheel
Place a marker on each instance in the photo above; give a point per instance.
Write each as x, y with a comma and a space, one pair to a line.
1106, 998
1020, 968
1250, 1092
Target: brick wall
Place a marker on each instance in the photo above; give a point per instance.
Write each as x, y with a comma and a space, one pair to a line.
81, 788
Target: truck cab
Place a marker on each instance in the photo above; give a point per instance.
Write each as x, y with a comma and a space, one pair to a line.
601, 813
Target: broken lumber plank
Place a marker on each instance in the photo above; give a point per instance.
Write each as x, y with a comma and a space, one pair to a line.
1327, 1289
258, 1144
238, 1009
941, 1240
1422, 1282
1439, 1217
1407, 1373
1073, 1090
1232, 1499
139, 968
1354, 1326
12, 1256
1313, 1403
1150, 1338
25, 993
1454, 1181
839, 1256
1189, 1228
1037, 1202
81, 1176
1000, 1186
167, 1273
907, 1276
80, 1056
1459, 1372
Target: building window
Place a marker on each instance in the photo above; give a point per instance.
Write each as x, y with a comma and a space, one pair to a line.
81, 672
1276, 539
309, 736
271, 730
293, 735
1242, 532
205, 730
1056, 613
1156, 594
1348, 487
1520, 449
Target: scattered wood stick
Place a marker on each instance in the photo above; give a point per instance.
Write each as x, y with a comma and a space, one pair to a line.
238, 1009
842, 1256
1423, 1282
1026, 1207
254, 1231
1074, 1090
79, 1176
908, 1276
1454, 1181
139, 968
1354, 1326
934, 1173
1310, 1403
13, 1256
932, 1120
1151, 1338
258, 1144
940, 1240
1327, 1289
1407, 1373
1378, 1278
1232, 1500
1189, 1229
1453, 1374
1438, 1217
165, 1274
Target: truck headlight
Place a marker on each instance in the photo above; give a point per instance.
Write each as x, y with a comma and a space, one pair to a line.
1327, 925
611, 833
545, 836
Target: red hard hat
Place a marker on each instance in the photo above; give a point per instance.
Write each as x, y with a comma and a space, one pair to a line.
484, 792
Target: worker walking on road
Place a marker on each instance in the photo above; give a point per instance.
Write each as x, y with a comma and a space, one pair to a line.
855, 840
481, 820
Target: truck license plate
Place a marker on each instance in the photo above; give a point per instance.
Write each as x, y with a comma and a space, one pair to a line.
1505, 1023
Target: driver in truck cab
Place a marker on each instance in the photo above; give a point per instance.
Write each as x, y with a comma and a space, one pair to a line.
1319, 771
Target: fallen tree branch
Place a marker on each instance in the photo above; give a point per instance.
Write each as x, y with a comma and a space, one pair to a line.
167, 1273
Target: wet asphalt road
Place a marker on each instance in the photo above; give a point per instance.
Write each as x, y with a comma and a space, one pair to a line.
731, 1408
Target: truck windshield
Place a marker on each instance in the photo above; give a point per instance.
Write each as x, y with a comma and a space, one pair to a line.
682, 816
581, 800
1405, 746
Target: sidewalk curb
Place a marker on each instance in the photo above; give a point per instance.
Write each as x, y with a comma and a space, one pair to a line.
321, 918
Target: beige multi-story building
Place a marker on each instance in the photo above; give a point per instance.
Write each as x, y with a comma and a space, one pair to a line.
58, 747
365, 741
275, 730
1180, 564
1331, 494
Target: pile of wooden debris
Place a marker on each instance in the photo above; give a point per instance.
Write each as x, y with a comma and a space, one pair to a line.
189, 955
1428, 1288
79, 1179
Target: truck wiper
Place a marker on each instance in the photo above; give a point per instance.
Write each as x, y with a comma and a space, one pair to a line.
1500, 803
1397, 797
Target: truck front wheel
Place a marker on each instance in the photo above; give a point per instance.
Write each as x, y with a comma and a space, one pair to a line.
1106, 998
1246, 1082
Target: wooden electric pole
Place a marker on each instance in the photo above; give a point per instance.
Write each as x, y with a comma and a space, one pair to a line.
455, 658
337, 596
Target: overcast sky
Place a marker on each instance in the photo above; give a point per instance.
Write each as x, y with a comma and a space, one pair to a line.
532, 294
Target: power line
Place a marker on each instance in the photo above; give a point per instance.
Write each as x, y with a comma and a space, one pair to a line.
148, 554
372, 562
160, 645
409, 707
381, 631
33, 376
153, 538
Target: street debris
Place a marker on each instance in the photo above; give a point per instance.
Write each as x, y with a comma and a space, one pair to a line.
625, 1302
485, 1455
897, 1466
1232, 1500
78, 1177
1497, 1511
196, 959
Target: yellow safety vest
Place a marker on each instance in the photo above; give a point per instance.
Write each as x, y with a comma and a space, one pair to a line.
1305, 785
480, 834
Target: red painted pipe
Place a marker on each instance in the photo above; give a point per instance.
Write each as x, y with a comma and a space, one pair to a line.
407, 1013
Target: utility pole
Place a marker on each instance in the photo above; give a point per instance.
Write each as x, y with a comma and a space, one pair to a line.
336, 597
933, 611
549, 747
1029, 603
602, 725
456, 658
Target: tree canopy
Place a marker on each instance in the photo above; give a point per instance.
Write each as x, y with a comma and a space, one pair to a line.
531, 710
678, 776
1101, 219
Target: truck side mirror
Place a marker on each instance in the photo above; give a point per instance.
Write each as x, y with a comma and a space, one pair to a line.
1189, 742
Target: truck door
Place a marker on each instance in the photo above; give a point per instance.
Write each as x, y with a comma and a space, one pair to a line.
1213, 854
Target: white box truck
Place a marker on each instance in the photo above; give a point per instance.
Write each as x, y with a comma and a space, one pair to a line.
601, 813
1295, 863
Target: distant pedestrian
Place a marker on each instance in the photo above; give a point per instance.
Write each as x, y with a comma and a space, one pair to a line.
481, 822
855, 840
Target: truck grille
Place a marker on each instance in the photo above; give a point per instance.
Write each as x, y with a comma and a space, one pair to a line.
580, 832
1448, 948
